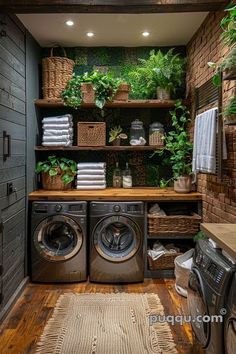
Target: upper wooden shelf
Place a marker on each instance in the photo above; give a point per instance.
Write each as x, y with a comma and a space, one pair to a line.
99, 148
135, 193
44, 103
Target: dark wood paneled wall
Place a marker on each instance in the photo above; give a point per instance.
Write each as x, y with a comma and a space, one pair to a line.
13, 168
110, 6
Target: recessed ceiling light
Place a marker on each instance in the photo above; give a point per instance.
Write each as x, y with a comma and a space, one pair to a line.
70, 23
90, 34
145, 34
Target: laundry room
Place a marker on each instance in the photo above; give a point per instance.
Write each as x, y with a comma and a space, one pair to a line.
117, 177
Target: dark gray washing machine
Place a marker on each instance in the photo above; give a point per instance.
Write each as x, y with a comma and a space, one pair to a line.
116, 242
58, 241
230, 323
209, 282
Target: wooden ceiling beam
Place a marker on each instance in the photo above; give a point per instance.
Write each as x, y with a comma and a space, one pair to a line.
109, 6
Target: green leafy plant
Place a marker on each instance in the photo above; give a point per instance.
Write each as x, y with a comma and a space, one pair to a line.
178, 147
159, 70
104, 84
230, 108
58, 166
116, 133
200, 236
227, 64
228, 24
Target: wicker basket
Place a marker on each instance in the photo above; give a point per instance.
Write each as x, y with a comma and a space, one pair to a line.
54, 183
91, 134
173, 224
56, 73
166, 261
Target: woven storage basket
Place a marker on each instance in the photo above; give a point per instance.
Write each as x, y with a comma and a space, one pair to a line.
54, 183
57, 71
166, 261
91, 134
173, 224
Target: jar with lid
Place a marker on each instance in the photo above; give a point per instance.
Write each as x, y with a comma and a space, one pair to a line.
137, 133
156, 134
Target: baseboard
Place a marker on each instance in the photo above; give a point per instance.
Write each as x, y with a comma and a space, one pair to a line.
6, 309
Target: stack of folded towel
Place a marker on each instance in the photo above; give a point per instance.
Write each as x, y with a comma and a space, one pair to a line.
58, 131
91, 175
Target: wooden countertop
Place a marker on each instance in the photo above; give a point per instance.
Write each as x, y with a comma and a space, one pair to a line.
150, 194
223, 234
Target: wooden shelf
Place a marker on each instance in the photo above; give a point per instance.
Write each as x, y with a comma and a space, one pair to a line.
98, 148
44, 103
111, 194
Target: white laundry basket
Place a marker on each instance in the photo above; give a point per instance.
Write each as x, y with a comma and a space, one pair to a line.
182, 273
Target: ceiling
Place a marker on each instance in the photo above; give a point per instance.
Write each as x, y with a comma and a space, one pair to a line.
166, 29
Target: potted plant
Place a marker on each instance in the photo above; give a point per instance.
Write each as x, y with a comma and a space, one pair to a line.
159, 75
122, 92
179, 150
227, 66
115, 135
230, 112
57, 172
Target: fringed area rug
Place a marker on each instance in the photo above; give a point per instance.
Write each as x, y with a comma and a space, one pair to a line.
106, 324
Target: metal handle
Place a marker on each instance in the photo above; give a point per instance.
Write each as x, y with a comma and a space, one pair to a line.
7, 153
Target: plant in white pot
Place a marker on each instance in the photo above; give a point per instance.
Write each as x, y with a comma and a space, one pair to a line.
179, 150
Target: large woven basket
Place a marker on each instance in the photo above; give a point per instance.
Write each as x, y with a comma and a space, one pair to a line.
57, 71
166, 261
173, 224
91, 134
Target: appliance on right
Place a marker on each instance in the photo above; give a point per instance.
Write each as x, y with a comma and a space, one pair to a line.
230, 323
209, 282
116, 242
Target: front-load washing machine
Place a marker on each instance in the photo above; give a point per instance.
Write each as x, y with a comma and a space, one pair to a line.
58, 241
230, 323
116, 242
209, 282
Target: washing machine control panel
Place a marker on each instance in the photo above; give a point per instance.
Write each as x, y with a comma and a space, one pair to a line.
58, 208
117, 208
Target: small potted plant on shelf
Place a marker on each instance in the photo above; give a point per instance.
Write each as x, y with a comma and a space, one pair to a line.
115, 135
230, 112
159, 75
57, 172
179, 150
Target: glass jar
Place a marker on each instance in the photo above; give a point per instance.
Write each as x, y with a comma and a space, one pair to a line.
156, 134
127, 177
117, 177
137, 133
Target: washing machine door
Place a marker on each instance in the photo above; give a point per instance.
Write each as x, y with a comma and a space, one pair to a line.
230, 336
117, 238
58, 238
198, 308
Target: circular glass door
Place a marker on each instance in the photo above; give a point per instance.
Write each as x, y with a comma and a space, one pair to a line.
197, 307
117, 238
58, 238
231, 336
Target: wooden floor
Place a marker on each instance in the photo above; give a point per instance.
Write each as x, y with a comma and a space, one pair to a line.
24, 324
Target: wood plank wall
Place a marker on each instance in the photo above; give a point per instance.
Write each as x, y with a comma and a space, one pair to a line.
13, 121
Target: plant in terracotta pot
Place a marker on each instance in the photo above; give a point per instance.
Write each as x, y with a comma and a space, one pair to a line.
115, 135
57, 172
179, 150
159, 75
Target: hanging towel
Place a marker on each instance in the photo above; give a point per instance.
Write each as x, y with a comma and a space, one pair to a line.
91, 172
91, 177
91, 165
58, 126
204, 144
53, 132
102, 186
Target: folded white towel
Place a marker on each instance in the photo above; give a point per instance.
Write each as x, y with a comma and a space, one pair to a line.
91, 165
91, 177
91, 172
53, 132
57, 138
56, 120
56, 143
90, 183
57, 126
103, 186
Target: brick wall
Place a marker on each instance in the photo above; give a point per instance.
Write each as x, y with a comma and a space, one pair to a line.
219, 196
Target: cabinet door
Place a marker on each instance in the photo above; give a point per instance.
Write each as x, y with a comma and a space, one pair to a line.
12, 156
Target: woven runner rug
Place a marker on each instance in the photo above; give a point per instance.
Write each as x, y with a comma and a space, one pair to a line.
106, 324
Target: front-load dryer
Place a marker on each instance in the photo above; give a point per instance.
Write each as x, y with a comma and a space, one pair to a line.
230, 323
116, 242
58, 241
